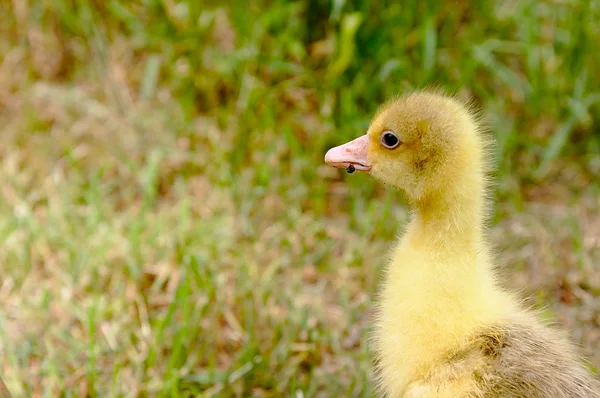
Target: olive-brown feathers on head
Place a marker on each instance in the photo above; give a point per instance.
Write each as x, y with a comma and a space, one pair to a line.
440, 142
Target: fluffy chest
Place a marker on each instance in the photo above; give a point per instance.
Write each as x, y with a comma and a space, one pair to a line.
429, 305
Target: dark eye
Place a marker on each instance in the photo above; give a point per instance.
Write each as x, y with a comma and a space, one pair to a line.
389, 139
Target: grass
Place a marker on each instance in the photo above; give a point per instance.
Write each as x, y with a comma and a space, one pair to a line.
168, 227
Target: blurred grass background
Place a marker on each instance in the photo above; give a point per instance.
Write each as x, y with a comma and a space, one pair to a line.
168, 227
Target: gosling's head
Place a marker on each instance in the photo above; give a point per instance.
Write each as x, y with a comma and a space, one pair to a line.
420, 143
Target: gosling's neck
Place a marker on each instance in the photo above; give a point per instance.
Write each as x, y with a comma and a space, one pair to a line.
451, 219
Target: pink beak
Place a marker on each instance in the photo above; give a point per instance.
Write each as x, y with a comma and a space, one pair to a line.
351, 155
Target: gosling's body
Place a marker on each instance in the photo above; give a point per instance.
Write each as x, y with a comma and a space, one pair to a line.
445, 328
447, 337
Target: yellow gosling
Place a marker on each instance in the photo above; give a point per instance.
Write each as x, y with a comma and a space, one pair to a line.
445, 327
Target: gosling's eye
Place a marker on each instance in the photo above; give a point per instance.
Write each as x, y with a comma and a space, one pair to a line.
389, 139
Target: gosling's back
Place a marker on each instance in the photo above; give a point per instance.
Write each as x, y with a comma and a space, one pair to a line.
519, 358
528, 359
